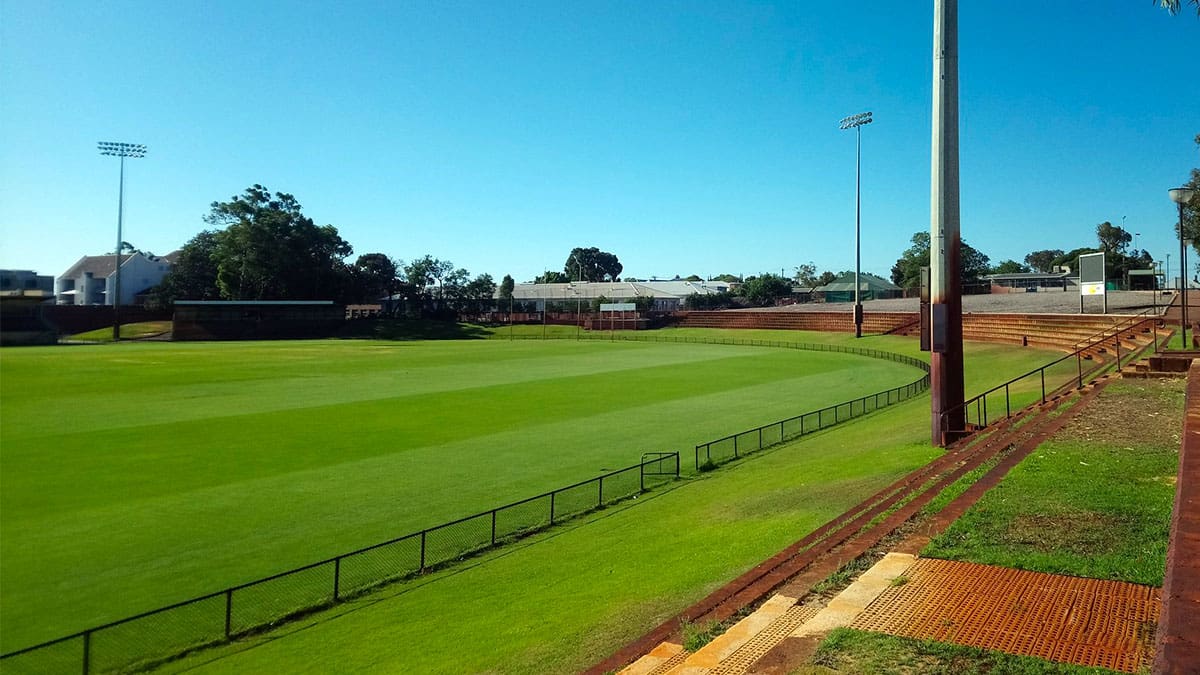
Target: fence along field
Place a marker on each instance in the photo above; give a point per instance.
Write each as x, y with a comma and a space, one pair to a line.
198, 476
169, 630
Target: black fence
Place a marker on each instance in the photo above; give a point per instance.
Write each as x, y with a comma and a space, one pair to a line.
714, 453
169, 631
1065, 373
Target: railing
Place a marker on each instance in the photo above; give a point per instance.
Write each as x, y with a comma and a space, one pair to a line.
218, 617
1069, 369
740, 444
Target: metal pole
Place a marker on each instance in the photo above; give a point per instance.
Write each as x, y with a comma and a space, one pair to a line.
946, 359
857, 232
1183, 308
116, 299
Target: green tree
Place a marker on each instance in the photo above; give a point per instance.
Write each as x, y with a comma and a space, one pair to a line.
1009, 267
592, 264
193, 276
506, 287
644, 303
691, 277
375, 276
552, 278
1113, 238
826, 277
1191, 212
806, 274
268, 249
1173, 6
906, 273
765, 289
1043, 261
728, 278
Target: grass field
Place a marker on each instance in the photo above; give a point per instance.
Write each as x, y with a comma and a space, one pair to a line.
566, 598
135, 475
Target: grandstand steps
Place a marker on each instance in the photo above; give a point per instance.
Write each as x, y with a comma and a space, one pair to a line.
788, 578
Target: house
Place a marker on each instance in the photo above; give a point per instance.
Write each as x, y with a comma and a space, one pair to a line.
91, 281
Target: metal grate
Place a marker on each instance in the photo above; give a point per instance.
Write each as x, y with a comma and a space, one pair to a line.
1086, 622
669, 665
740, 661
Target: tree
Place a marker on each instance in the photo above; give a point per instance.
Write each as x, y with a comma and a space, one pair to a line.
269, 250
765, 290
690, 277
806, 274
826, 277
375, 276
1113, 238
426, 276
1043, 261
644, 303
1191, 212
194, 274
906, 273
1009, 267
592, 264
1173, 6
552, 278
728, 278
506, 287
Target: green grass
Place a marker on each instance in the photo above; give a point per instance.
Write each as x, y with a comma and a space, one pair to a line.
129, 331
863, 653
145, 496
1095, 501
136, 475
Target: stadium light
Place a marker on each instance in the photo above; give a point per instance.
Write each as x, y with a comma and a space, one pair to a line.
122, 150
856, 122
1182, 196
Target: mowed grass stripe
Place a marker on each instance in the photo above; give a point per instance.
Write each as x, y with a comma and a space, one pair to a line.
130, 385
122, 520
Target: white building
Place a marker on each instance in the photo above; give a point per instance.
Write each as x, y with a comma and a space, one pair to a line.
92, 280
668, 295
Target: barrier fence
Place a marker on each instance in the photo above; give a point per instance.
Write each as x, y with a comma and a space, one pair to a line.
214, 618
211, 619
980, 411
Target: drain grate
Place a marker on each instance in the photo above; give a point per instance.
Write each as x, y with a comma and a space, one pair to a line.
669, 665
740, 661
1087, 622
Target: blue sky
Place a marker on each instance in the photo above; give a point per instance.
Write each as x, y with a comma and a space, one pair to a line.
686, 137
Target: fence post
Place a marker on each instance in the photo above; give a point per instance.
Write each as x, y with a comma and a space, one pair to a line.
422, 568
551, 508
1079, 364
493, 527
677, 465
1117, 339
735, 449
228, 613
1043, 372
337, 576
760, 438
87, 652
1007, 405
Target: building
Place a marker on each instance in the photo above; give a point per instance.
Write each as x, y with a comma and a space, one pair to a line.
668, 295
26, 280
1034, 280
91, 280
871, 287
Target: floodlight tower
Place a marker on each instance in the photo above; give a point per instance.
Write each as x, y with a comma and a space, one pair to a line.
856, 122
121, 150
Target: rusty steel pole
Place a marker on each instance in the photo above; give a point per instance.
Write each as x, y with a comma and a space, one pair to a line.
946, 357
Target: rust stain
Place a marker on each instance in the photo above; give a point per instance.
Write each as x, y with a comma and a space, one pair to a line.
1087, 622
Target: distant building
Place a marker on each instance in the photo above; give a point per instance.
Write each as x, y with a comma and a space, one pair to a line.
91, 281
26, 280
871, 287
668, 295
1029, 280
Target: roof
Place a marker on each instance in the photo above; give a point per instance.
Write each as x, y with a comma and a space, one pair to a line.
1014, 276
100, 266
585, 290
867, 281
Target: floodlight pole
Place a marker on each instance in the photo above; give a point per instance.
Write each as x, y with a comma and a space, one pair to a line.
946, 356
856, 122
121, 150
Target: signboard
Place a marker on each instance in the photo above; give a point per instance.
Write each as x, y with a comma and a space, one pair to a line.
618, 307
1091, 278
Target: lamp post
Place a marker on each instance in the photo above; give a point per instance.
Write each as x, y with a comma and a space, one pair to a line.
856, 123
1182, 196
121, 150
